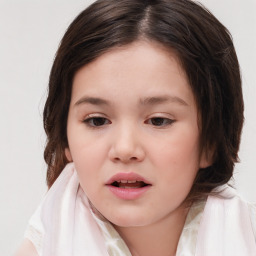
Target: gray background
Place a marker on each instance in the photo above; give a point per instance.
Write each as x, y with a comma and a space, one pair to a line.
30, 32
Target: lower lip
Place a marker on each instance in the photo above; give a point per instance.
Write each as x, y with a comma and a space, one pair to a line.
128, 193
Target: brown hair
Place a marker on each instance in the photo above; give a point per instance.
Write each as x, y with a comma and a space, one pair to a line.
205, 49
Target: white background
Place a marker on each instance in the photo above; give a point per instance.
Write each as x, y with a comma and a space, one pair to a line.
30, 31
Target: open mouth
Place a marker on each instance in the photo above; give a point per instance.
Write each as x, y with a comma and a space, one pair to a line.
129, 184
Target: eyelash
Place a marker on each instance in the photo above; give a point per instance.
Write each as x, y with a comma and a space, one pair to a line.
164, 122
90, 121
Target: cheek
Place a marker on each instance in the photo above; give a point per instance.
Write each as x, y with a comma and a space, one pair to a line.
82, 154
87, 159
85, 148
178, 150
177, 163
86, 167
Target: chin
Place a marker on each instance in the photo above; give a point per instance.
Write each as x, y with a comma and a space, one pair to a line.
129, 220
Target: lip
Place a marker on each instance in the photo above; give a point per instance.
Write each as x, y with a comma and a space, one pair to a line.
127, 176
128, 193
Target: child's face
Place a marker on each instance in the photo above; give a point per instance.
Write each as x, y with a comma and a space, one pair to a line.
132, 112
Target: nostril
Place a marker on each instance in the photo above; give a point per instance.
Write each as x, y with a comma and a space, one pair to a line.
119, 153
126, 159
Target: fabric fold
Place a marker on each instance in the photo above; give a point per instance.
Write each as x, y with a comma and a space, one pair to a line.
226, 227
69, 228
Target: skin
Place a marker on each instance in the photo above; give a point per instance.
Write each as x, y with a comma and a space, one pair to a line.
26, 249
145, 122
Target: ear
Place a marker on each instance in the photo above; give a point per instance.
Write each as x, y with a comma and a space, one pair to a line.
68, 154
206, 159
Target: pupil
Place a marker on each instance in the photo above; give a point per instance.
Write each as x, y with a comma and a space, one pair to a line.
99, 121
157, 121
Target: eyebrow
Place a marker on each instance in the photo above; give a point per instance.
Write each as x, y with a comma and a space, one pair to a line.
156, 100
162, 99
92, 100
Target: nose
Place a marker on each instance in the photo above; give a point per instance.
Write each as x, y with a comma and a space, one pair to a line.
126, 146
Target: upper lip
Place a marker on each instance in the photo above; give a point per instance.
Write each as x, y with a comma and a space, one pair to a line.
129, 176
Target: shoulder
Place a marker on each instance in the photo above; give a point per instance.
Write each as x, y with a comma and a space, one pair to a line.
26, 249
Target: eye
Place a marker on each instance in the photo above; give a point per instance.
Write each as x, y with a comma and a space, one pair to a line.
159, 121
96, 121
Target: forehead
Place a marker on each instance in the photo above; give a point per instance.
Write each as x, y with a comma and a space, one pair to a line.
151, 54
138, 69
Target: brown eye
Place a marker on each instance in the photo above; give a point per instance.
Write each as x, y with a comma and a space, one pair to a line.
160, 121
96, 121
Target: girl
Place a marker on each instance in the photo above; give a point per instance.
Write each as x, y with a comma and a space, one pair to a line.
143, 118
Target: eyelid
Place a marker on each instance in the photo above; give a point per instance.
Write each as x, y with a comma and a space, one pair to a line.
169, 120
86, 120
94, 115
164, 118
161, 115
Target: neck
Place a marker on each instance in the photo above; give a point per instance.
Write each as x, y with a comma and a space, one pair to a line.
160, 238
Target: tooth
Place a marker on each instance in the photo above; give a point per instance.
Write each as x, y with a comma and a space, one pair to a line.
123, 181
123, 186
131, 181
